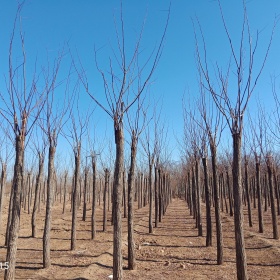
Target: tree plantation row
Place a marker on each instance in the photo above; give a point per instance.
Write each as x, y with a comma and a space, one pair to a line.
44, 108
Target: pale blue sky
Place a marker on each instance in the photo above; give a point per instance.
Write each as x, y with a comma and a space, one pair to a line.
84, 24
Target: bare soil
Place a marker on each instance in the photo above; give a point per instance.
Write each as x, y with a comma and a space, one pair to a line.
173, 251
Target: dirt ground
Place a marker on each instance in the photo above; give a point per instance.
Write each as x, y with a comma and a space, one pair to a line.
173, 251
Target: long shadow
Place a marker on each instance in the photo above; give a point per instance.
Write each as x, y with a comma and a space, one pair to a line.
263, 264
190, 261
28, 267
34, 250
258, 248
173, 246
168, 235
103, 265
80, 278
70, 265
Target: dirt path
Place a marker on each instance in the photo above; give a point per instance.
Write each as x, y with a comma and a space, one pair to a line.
173, 251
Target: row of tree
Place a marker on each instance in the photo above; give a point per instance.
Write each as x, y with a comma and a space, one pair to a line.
34, 112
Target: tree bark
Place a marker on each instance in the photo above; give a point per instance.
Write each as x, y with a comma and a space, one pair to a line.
93, 210
3, 186
197, 175
259, 195
75, 197
130, 218
106, 186
15, 218
117, 201
241, 262
47, 228
37, 193
272, 202
124, 196
219, 232
156, 196
150, 199
247, 193
208, 205
64, 191
85, 195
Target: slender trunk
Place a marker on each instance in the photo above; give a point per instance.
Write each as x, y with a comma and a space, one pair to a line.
75, 197
117, 201
150, 199
93, 210
247, 193
3, 185
199, 220
272, 202
229, 194
219, 232
194, 198
208, 205
159, 195
190, 194
15, 218
9, 215
276, 192
47, 228
37, 193
124, 196
29, 193
241, 262
85, 195
64, 191
106, 186
156, 197
258, 183
130, 218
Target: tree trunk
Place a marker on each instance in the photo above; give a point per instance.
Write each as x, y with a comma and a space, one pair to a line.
194, 197
37, 193
3, 186
241, 262
197, 175
15, 218
64, 191
219, 232
229, 194
130, 218
75, 196
124, 196
29, 192
259, 194
150, 199
156, 196
272, 202
106, 186
93, 210
247, 193
47, 228
208, 205
190, 194
85, 195
117, 201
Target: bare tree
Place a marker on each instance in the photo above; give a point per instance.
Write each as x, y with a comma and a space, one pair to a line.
233, 109
40, 151
121, 94
79, 124
21, 108
135, 131
52, 124
213, 127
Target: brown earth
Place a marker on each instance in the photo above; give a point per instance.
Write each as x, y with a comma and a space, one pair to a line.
173, 251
